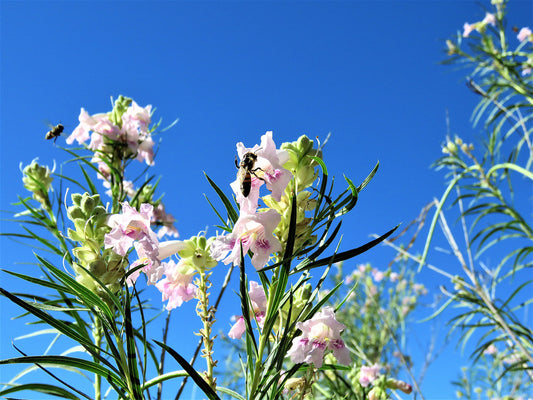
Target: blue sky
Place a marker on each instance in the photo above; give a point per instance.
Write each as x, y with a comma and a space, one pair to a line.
368, 72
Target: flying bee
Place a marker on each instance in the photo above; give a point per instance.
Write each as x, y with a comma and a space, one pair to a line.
54, 132
246, 170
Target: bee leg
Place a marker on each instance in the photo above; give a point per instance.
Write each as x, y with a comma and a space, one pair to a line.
236, 162
258, 177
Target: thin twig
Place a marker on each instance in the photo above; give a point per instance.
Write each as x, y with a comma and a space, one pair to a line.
162, 359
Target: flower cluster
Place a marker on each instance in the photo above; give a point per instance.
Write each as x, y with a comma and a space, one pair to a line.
253, 231
480, 26
120, 134
90, 228
133, 228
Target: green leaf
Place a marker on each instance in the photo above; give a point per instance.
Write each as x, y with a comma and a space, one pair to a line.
63, 361
232, 214
41, 388
202, 384
345, 255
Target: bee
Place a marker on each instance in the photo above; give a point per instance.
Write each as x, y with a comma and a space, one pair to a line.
54, 132
246, 170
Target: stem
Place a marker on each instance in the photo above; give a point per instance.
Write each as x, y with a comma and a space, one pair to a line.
162, 359
97, 335
193, 359
206, 314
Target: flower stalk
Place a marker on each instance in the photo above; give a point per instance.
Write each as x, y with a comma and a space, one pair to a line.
207, 315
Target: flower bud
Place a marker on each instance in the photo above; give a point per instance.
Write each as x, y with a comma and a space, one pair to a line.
37, 179
300, 163
452, 48
119, 108
376, 393
294, 384
401, 385
196, 253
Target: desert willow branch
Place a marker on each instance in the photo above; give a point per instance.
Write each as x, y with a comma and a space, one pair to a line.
478, 89
414, 258
465, 230
484, 296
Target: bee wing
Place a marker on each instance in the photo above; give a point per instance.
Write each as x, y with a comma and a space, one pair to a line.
48, 124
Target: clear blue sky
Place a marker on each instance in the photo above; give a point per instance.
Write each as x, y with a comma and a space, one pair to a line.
368, 72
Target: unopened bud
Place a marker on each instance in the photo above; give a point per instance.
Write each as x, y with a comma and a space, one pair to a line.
37, 179
401, 385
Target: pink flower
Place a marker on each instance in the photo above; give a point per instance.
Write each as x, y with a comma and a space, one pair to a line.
468, 28
377, 275
367, 375
137, 119
166, 221
153, 268
258, 300
393, 276
524, 34
490, 350
129, 226
489, 19
132, 227
420, 289
320, 333
81, 133
254, 232
177, 287
269, 170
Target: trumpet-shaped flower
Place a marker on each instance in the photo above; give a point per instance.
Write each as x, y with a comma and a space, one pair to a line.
258, 300
129, 226
367, 375
153, 267
489, 19
268, 169
166, 221
468, 28
524, 34
87, 122
177, 286
252, 232
320, 333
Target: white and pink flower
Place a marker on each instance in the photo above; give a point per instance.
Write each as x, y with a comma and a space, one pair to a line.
268, 169
259, 302
524, 34
252, 232
177, 286
367, 375
320, 333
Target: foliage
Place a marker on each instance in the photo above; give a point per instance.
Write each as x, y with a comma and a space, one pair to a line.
491, 183
98, 301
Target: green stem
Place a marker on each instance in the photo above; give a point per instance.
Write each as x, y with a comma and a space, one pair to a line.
97, 334
206, 314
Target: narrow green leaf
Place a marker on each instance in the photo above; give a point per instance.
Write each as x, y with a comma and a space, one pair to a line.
232, 214
202, 384
345, 255
41, 388
60, 361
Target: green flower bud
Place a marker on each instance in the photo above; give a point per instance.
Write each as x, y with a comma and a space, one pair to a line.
197, 254
119, 108
377, 393
397, 384
300, 163
37, 179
